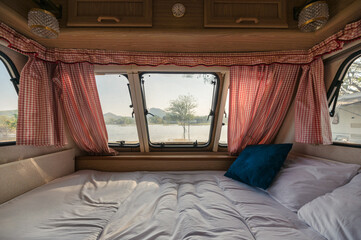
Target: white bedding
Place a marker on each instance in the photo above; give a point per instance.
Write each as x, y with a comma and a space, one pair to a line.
146, 205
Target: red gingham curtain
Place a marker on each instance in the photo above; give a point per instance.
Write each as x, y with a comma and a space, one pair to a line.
77, 90
259, 97
22, 44
312, 120
40, 121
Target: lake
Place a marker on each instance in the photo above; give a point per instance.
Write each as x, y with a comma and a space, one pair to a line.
161, 133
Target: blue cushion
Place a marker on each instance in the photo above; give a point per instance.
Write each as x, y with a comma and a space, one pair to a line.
257, 165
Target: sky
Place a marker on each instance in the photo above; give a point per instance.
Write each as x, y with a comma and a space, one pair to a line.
114, 95
8, 95
160, 90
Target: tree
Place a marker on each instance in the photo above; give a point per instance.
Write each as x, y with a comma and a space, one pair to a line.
182, 109
8, 124
352, 81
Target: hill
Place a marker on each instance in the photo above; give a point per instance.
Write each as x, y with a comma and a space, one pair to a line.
8, 113
158, 112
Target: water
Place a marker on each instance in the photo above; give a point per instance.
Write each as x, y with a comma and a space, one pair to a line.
159, 133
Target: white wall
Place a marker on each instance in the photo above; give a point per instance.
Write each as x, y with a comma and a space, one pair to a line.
14, 153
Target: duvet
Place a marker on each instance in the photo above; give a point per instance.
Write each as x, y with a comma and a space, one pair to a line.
149, 205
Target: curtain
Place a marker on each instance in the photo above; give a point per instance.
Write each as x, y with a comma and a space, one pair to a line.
40, 121
312, 120
22, 44
259, 99
76, 89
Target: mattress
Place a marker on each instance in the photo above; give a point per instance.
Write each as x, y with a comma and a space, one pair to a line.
149, 205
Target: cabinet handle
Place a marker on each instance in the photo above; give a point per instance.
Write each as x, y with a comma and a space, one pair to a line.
242, 19
101, 18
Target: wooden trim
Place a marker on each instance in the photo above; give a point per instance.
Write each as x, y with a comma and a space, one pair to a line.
138, 110
155, 162
222, 100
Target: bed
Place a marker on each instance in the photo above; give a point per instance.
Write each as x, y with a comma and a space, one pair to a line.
91, 204
149, 205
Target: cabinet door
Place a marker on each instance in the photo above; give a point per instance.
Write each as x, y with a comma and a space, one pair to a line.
110, 13
245, 13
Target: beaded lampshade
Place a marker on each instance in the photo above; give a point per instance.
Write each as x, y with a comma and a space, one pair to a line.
43, 23
313, 16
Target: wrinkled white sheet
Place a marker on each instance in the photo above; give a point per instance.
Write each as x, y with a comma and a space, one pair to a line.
146, 205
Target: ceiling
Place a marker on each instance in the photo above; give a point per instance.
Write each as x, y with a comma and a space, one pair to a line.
187, 34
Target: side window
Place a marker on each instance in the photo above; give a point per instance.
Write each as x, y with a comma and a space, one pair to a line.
224, 131
179, 108
9, 80
117, 106
345, 102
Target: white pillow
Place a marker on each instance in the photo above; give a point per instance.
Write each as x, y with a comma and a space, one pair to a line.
336, 215
303, 179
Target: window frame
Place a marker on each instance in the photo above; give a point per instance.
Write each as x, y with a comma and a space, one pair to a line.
123, 147
14, 78
334, 89
224, 146
215, 100
133, 76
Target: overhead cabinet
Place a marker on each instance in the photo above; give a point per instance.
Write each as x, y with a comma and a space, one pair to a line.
110, 13
245, 13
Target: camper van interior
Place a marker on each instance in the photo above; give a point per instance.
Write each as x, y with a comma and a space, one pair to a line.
180, 119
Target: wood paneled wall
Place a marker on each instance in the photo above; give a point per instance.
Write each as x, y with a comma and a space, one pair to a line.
180, 161
186, 34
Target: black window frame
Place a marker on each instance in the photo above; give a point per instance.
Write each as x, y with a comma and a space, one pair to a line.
14, 78
120, 144
212, 112
334, 89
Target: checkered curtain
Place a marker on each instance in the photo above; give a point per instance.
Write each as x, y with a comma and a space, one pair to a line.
75, 83
259, 100
40, 121
312, 120
26, 46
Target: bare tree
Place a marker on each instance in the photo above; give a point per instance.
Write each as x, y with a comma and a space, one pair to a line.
352, 81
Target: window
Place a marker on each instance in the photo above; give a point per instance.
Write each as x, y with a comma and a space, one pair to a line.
345, 102
224, 131
9, 80
179, 108
115, 99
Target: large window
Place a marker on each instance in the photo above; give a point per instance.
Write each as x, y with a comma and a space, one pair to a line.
115, 99
179, 107
9, 80
345, 102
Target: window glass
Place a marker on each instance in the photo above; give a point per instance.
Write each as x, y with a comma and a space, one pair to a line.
180, 107
223, 138
117, 109
8, 106
346, 122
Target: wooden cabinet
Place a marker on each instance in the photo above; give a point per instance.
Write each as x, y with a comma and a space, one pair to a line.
245, 13
110, 13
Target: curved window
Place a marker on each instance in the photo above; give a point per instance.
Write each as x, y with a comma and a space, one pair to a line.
344, 98
9, 81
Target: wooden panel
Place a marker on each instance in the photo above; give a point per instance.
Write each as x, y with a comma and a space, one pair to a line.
182, 38
163, 17
110, 13
156, 162
336, 6
254, 13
